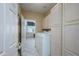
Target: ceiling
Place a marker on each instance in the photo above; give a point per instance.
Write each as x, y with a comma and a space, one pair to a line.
37, 7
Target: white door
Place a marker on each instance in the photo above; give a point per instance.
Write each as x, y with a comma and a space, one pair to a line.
10, 29
70, 29
56, 30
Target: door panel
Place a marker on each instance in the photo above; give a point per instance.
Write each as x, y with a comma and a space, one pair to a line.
10, 28
11, 31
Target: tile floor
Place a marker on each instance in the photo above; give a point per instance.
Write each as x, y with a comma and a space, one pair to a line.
29, 48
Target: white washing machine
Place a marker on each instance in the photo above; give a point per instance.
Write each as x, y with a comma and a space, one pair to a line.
42, 42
